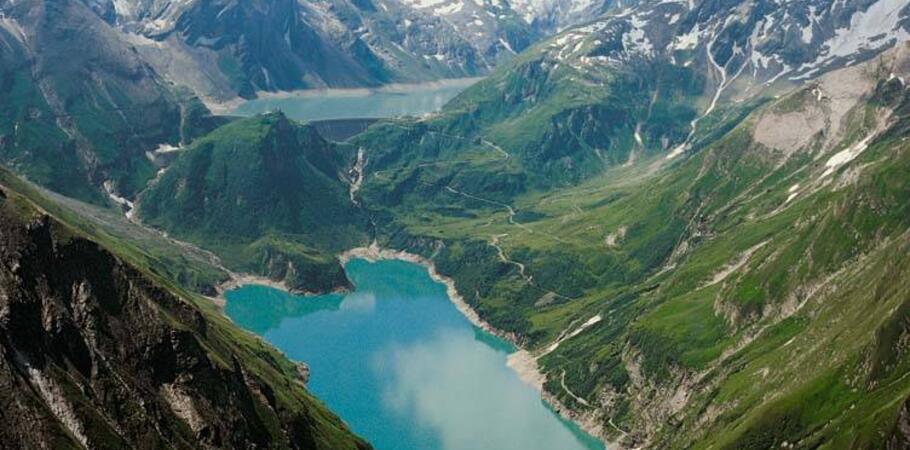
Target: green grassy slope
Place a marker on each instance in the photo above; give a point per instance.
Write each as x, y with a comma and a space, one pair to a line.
267, 195
132, 360
537, 124
190, 268
738, 290
80, 108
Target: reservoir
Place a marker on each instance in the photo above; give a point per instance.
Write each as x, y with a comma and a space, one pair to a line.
331, 104
403, 367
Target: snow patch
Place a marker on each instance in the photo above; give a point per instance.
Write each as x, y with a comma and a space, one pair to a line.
592, 321
877, 27
506, 45
451, 8
12, 27
687, 41
166, 148
846, 155
635, 40
425, 3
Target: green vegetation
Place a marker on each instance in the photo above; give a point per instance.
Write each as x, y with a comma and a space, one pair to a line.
153, 338
535, 126
722, 277
192, 269
85, 110
737, 296
30, 141
267, 195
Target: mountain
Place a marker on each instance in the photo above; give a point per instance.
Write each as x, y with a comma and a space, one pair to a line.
691, 217
268, 195
96, 353
676, 224
98, 89
224, 48
650, 78
738, 295
81, 109
549, 16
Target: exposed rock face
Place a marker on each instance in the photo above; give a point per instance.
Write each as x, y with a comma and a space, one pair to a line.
794, 337
554, 15
900, 438
93, 88
226, 48
80, 106
94, 353
742, 47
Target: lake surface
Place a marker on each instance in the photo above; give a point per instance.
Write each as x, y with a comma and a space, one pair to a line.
389, 101
407, 371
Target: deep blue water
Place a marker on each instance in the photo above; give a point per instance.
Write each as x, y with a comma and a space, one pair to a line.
398, 362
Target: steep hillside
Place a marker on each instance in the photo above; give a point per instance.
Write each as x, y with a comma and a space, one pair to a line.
225, 48
80, 108
95, 353
192, 269
648, 78
556, 127
692, 216
738, 297
268, 195
687, 242
555, 15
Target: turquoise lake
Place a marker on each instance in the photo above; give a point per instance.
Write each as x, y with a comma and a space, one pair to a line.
378, 103
407, 371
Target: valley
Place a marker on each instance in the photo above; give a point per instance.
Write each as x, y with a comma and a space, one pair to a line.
648, 224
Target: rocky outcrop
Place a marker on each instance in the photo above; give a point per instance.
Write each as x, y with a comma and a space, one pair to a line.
95, 353
81, 107
900, 437
223, 49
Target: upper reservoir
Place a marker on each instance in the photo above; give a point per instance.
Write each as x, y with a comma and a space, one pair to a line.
403, 367
387, 101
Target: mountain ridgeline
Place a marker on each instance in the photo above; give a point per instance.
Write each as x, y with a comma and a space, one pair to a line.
738, 294
80, 108
223, 49
268, 195
692, 217
95, 91
654, 78
97, 353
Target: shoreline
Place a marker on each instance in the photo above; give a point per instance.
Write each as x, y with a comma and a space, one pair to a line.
226, 107
240, 279
237, 280
374, 253
521, 361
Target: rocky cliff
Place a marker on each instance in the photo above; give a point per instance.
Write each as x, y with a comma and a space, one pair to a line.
95, 353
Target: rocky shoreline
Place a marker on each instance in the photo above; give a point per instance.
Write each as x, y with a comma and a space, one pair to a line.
375, 253
237, 280
523, 362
